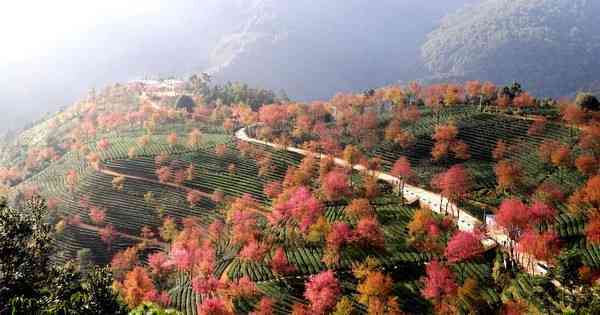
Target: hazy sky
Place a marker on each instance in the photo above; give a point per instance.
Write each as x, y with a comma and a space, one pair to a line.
54, 51
35, 28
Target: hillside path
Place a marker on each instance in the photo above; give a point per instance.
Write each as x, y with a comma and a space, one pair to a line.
122, 235
105, 170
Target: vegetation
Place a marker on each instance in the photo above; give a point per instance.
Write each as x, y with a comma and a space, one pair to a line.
177, 211
547, 37
31, 284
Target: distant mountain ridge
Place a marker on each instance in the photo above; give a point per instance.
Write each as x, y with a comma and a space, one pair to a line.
312, 50
552, 45
309, 49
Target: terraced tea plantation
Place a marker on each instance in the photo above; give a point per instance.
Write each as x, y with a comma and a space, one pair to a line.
193, 217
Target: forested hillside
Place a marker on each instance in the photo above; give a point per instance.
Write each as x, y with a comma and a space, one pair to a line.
552, 45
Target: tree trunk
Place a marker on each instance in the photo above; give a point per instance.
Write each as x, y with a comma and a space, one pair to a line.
402, 192
441, 202
447, 204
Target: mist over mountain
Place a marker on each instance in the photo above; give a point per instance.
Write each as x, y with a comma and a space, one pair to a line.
311, 51
308, 50
552, 46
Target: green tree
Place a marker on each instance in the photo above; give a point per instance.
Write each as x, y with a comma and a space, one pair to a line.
25, 247
587, 101
31, 284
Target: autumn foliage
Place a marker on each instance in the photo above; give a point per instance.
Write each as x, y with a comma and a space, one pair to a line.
513, 216
264, 307
279, 262
194, 197
108, 234
374, 288
336, 185
587, 164
427, 231
463, 246
272, 189
136, 286
322, 206
454, 184
439, 284
359, 208
368, 232
322, 291
543, 246
508, 175
592, 230
446, 142
298, 204
500, 150
97, 215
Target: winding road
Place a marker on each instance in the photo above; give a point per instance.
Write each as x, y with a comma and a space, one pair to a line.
465, 221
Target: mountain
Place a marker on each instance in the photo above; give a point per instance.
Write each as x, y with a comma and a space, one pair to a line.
553, 45
311, 50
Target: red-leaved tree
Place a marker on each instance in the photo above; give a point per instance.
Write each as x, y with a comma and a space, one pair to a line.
97, 215
508, 175
359, 208
279, 262
123, 261
264, 307
454, 184
164, 174
156, 262
402, 170
463, 246
335, 185
542, 246
541, 212
592, 229
103, 144
587, 164
514, 218
108, 234
273, 189
213, 306
206, 285
445, 141
500, 150
440, 286
193, 197
298, 204
368, 232
322, 291
253, 251
339, 235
